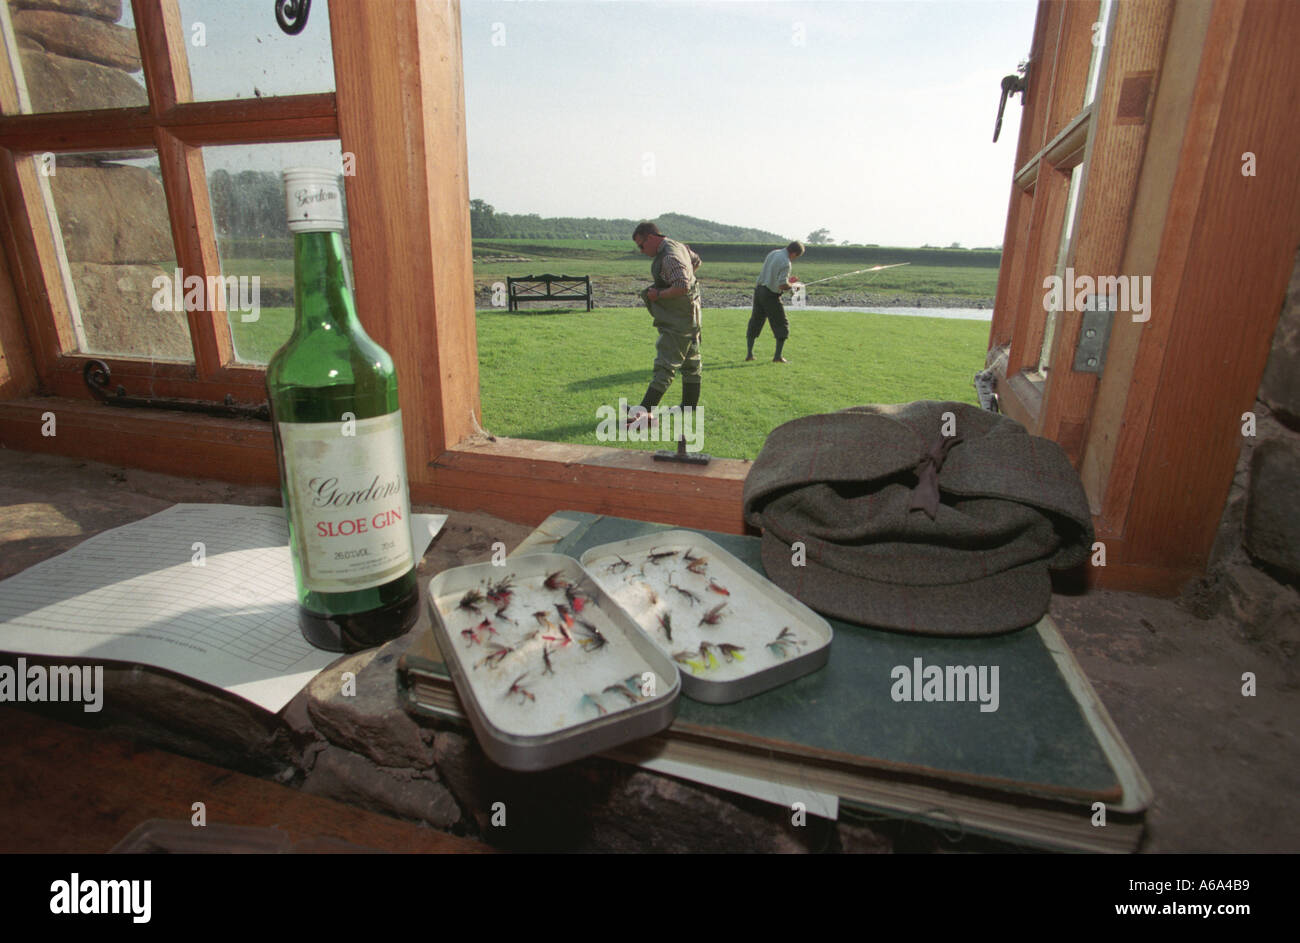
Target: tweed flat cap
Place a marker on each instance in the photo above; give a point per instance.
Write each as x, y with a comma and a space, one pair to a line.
905, 527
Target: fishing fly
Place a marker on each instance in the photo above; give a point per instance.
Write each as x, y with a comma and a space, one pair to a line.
655, 558
576, 600
731, 652
590, 637
684, 658
558, 632
496, 654
706, 655
629, 687
517, 688
783, 643
500, 592
620, 689
691, 597
714, 615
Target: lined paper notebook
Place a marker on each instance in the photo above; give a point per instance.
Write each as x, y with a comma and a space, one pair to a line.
206, 590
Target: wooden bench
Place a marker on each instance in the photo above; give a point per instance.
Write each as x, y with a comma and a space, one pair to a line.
549, 288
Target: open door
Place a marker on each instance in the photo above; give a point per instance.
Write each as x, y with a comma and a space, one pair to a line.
1145, 259
1058, 134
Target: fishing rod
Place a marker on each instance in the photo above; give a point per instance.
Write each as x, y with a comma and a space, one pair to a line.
874, 268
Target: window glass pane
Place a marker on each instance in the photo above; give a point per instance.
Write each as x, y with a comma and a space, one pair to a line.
1071, 210
109, 213
69, 55
1049, 334
237, 50
1065, 253
253, 239
1094, 66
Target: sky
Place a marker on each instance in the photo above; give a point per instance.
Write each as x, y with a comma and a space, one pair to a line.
870, 118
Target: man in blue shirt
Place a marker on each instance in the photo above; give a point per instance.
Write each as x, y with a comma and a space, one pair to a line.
772, 282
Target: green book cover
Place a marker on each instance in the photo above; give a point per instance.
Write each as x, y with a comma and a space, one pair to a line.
1036, 739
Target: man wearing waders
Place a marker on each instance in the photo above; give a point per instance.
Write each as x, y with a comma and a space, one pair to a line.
772, 281
674, 303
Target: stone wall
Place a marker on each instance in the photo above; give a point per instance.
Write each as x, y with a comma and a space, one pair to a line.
1254, 566
112, 216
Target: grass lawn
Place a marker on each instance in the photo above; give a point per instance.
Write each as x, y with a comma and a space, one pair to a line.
256, 341
543, 374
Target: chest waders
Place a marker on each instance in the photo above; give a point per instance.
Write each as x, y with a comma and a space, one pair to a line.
678, 323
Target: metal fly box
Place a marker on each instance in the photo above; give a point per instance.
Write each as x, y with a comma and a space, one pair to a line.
549, 669
732, 632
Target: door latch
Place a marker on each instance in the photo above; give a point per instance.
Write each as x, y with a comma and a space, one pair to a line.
1011, 85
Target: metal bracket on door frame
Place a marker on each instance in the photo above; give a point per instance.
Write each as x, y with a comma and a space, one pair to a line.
1094, 335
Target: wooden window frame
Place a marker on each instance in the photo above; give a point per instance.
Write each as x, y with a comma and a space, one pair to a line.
177, 128
1157, 436
403, 70
1156, 490
1056, 140
1060, 407
399, 79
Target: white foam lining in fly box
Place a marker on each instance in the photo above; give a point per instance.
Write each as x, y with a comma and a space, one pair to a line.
732, 632
548, 667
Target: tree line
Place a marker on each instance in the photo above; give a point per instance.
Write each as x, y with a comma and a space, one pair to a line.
250, 204
487, 223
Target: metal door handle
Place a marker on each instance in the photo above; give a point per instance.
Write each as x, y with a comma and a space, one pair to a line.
1011, 84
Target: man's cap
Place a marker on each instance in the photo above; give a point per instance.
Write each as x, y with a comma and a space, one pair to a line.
938, 518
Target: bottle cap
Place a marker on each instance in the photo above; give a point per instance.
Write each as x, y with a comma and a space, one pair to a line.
312, 200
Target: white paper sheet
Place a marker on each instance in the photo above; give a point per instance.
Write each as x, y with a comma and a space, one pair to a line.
136, 594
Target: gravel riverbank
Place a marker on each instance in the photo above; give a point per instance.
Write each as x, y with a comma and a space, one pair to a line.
619, 296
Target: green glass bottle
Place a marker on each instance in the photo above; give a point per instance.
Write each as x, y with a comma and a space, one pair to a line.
338, 438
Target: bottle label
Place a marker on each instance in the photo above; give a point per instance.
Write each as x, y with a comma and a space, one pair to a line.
313, 201
348, 501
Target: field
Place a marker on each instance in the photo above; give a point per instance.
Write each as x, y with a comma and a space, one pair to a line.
545, 374
961, 278
574, 362
256, 342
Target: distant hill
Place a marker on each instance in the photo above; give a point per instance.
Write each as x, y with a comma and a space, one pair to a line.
487, 223
692, 229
